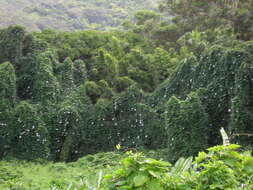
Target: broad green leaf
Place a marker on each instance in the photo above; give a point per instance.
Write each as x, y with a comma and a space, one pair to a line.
140, 180
222, 148
119, 183
120, 172
248, 165
156, 162
229, 161
128, 162
154, 185
154, 174
182, 165
201, 156
125, 187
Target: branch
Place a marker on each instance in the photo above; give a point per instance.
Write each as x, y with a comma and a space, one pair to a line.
240, 134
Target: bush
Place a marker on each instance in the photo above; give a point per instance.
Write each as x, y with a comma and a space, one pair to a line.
186, 126
221, 168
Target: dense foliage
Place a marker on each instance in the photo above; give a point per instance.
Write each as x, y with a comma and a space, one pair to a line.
164, 83
222, 167
41, 175
21, 175
160, 83
88, 85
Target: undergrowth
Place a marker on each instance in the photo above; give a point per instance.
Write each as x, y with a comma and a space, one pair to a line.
220, 168
22, 175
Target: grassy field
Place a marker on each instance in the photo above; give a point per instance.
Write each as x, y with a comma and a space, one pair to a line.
22, 175
35, 176
221, 168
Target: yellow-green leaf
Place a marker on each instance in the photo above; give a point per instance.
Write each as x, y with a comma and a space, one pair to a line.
140, 180
154, 185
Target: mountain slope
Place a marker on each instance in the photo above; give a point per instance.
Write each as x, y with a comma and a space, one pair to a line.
69, 15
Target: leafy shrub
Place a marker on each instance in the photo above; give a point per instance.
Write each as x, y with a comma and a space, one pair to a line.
138, 172
221, 168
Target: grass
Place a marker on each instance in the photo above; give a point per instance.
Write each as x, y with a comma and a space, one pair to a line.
22, 175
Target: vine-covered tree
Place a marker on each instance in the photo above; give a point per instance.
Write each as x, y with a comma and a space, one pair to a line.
241, 120
90, 90
30, 139
45, 84
7, 103
80, 72
8, 83
11, 44
66, 70
187, 126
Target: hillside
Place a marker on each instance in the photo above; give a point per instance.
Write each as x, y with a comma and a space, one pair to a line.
66, 15
147, 87
165, 85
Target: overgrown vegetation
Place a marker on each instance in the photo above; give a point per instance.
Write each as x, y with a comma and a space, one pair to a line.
161, 83
62, 90
23, 175
222, 167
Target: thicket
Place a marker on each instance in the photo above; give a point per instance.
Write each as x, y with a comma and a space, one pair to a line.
70, 94
81, 95
220, 167
210, 86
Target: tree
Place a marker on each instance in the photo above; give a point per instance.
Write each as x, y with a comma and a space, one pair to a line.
145, 15
45, 84
11, 44
8, 83
105, 67
212, 14
66, 76
30, 139
27, 65
240, 126
6, 130
123, 83
7, 103
69, 122
186, 125
80, 72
